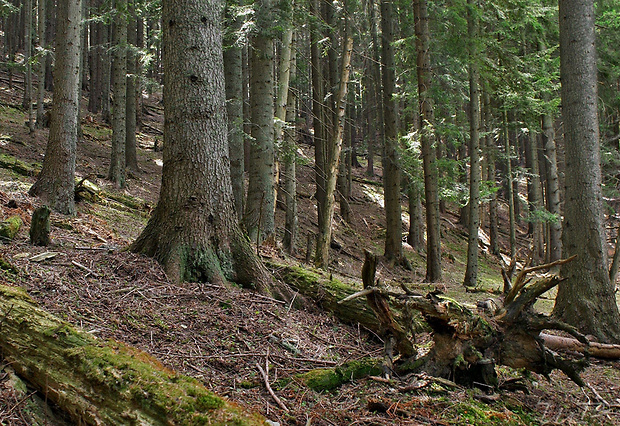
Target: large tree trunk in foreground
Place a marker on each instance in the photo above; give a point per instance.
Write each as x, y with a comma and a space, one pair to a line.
586, 299
194, 231
55, 183
102, 382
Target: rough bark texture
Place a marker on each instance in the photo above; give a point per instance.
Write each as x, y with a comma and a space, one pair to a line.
102, 382
471, 272
41, 71
289, 163
131, 98
259, 215
55, 183
429, 158
391, 161
194, 232
233, 73
119, 68
586, 299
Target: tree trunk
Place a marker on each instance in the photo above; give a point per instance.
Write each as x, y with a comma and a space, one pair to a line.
233, 72
259, 216
471, 272
554, 245
27, 101
131, 97
96, 61
586, 299
40, 123
429, 159
106, 71
289, 161
510, 198
194, 231
119, 116
333, 154
391, 162
379, 124
55, 184
102, 382
491, 150
534, 196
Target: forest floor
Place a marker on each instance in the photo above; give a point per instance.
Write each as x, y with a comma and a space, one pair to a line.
219, 335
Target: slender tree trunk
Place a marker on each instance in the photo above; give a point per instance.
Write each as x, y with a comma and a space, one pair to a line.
554, 245
429, 159
289, 161
334, 147
586, 299
259, 216
471, 272
50, 34
492, 154
510, 189
415, 238
27, 101
41, 72
131, 97
379, 124
194, 231
391, 168
535, 197
55, 184
106, 73
119, 116
233, 72
96, 61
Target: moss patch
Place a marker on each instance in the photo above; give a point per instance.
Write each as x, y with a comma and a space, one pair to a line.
10, 227
326, 379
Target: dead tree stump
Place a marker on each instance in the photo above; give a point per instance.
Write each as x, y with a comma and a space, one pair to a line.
40, 227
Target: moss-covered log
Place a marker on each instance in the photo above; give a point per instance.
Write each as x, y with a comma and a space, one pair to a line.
326, 379
327, 292
102, 382
10, 227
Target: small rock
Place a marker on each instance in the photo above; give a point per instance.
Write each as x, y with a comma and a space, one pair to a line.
10, 227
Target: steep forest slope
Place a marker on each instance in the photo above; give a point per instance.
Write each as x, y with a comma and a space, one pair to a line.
221, 335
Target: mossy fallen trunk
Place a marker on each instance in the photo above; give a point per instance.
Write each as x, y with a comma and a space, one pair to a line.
10, 227
102, 382
327, 292
11, 163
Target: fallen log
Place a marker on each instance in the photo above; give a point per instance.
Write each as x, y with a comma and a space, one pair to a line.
102, 382
594, 349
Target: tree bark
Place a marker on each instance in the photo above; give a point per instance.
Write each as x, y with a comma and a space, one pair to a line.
554, 245
131, 97
289, 162
102, 382
55, 184
586, 299
233, 73
27, 101
391, 162
194, 231
40, 121
117, 172
471, 272
429, 157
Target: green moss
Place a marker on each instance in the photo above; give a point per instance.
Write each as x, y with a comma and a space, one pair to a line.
325, 379
18, 166
96, 132
10, 227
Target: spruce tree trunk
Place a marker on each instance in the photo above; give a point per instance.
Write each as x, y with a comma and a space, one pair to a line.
534, 196
491, 153
429, 158
510, 190
233, 72
259, 216
40, 122
96, 61
586, 299
55, 184
471, 272
106, 72
131, 97
119, 126
554, 245
391, 162
415, 238
194, 231
379, 123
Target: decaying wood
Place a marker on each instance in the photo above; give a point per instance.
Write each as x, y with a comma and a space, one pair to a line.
468, 344
102, 382
40, 227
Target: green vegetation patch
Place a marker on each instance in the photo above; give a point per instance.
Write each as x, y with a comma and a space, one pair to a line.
18, 166
10, 227
326, 379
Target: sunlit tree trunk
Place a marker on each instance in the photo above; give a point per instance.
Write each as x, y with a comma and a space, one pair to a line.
554, 245
259, 215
